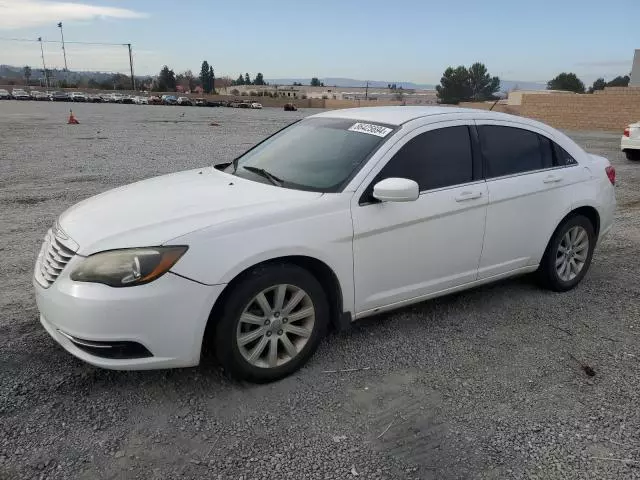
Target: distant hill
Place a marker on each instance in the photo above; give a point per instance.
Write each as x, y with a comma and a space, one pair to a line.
350, 82
505, 85
9, 71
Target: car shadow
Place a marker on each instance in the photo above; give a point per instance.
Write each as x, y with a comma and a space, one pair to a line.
209, 375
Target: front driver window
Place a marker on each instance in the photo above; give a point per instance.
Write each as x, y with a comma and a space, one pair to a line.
434, 159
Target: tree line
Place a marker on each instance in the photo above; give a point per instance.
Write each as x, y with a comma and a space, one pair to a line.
571, 83
246, 80
474, 84
168, 81
460, 84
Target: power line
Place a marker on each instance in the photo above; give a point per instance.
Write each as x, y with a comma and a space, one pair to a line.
56, 41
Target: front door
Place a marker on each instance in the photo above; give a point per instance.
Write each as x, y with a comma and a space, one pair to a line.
405, 251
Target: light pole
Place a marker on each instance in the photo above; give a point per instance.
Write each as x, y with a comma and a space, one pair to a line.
64, 53
44, 67
133, 80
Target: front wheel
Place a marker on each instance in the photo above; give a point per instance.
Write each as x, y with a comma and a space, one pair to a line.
272, 322
568, 255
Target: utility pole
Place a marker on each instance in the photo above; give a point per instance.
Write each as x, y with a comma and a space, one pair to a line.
366, 91
64, 52
133, 80
44, 67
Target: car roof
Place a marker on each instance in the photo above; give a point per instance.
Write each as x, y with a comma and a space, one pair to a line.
397, 115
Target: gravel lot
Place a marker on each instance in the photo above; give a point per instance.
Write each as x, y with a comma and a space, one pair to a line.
480, 384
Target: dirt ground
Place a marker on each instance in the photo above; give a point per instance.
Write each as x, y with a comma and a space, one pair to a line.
481, 384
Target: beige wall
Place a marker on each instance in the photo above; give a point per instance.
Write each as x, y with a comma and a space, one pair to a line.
612, 109
499, 107
515, 96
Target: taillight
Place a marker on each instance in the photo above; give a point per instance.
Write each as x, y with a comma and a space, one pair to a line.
611, 173
626, 132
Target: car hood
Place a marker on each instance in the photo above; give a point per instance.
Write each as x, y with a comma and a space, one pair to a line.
154, 211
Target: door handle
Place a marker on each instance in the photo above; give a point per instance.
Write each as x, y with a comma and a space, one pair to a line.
552, 179
464, 196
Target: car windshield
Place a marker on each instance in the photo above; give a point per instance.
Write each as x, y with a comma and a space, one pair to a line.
317, 154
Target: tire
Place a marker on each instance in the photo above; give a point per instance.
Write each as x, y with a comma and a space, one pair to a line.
551, 273
633, 155
243, 303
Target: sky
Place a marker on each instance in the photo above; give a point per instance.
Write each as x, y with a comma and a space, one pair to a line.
412, 40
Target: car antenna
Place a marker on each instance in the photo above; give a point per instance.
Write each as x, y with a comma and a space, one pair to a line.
494, 104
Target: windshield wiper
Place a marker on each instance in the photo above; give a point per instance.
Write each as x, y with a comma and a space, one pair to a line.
263, 173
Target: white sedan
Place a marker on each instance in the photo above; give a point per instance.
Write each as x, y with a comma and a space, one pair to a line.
339, 216
630, 142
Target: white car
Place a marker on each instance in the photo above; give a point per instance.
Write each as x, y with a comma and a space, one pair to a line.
115, 98
19, 94
78, 97
141, 100
630, 143
256, 105
339, 216
4, 94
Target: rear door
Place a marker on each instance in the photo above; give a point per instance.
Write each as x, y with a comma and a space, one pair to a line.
529, 180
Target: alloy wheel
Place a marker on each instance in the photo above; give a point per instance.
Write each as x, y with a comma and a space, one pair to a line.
275, 326
572, 253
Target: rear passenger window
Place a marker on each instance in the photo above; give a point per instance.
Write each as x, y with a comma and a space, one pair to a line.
509, 150
548, 160
434, 159
562, 157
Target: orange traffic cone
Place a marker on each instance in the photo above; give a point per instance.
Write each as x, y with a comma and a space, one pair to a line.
72, 119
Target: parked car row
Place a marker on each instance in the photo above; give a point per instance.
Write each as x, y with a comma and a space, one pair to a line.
16, 94
60, 96
96, 98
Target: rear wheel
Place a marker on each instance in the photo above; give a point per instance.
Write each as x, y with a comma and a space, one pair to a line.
272, 322
632, 154
568, 255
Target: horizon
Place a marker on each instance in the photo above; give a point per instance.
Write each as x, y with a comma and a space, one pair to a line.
335, 41
340, 82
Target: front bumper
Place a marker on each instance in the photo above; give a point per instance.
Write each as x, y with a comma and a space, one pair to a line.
157, 325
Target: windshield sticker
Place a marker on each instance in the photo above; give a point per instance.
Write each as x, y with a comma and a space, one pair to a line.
370, 129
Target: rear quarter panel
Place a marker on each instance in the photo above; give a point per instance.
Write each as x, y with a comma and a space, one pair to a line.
593, 188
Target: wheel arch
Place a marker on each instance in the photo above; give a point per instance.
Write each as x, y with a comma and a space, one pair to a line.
588, 211
339, 319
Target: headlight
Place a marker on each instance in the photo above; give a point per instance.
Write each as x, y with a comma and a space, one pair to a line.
126, 268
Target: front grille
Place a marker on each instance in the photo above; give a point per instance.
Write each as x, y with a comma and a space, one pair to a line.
52, 259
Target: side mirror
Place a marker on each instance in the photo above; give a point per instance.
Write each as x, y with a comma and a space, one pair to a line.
396, 190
